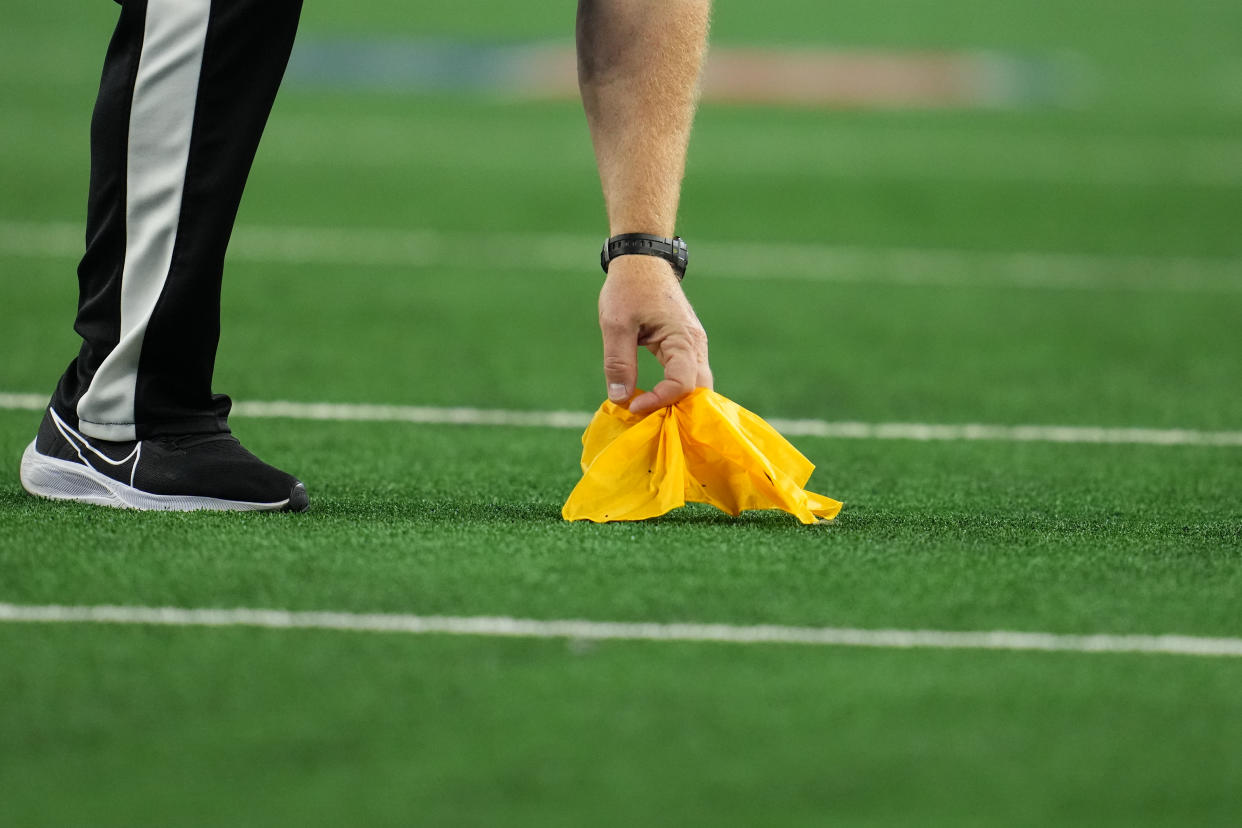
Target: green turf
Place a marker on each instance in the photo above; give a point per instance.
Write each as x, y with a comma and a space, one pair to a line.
332, 728
1066, 538
129, 726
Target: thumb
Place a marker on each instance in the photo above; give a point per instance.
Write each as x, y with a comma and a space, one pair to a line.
620, 361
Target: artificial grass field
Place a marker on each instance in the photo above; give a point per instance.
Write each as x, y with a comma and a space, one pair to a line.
1125, 314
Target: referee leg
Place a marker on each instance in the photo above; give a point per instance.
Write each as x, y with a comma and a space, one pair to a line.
186, 91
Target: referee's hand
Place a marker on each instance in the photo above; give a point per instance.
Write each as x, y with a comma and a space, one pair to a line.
642, 303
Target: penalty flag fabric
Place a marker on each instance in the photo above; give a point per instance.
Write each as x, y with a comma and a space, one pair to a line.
704, 449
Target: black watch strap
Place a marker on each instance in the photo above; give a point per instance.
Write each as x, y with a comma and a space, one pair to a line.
671, 250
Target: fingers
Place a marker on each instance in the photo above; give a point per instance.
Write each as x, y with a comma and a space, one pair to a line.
705, 379
641, 304
620, 359
704, 369
681, 374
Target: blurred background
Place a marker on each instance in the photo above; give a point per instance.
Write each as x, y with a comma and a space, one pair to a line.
971, 210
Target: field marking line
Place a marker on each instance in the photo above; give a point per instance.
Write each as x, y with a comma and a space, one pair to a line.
504, 627
578, 420
805, 262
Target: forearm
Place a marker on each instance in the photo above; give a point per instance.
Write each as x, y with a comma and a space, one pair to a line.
638, 70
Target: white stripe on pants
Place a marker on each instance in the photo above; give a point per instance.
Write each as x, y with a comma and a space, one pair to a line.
160, 127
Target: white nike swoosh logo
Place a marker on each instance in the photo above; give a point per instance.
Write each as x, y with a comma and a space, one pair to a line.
102, 463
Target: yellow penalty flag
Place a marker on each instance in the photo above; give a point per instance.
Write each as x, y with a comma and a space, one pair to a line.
704, 449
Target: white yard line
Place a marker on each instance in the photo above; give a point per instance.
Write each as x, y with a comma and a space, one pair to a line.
376, 247
489, 626
577, 420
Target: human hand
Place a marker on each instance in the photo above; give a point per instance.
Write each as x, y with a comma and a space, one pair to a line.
642, 303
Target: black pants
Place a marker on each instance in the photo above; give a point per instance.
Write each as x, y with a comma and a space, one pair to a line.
186, 91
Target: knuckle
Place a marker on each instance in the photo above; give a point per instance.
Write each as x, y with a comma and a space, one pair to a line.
616, 364
613, 324
682, 387
681, 374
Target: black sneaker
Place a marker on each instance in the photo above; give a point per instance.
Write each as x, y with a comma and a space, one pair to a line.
182, 474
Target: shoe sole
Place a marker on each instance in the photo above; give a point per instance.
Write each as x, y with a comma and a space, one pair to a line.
56, 479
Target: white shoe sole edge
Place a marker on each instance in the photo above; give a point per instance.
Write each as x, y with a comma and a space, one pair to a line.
55, 479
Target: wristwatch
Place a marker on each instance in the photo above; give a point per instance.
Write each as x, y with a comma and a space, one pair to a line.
671, 250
